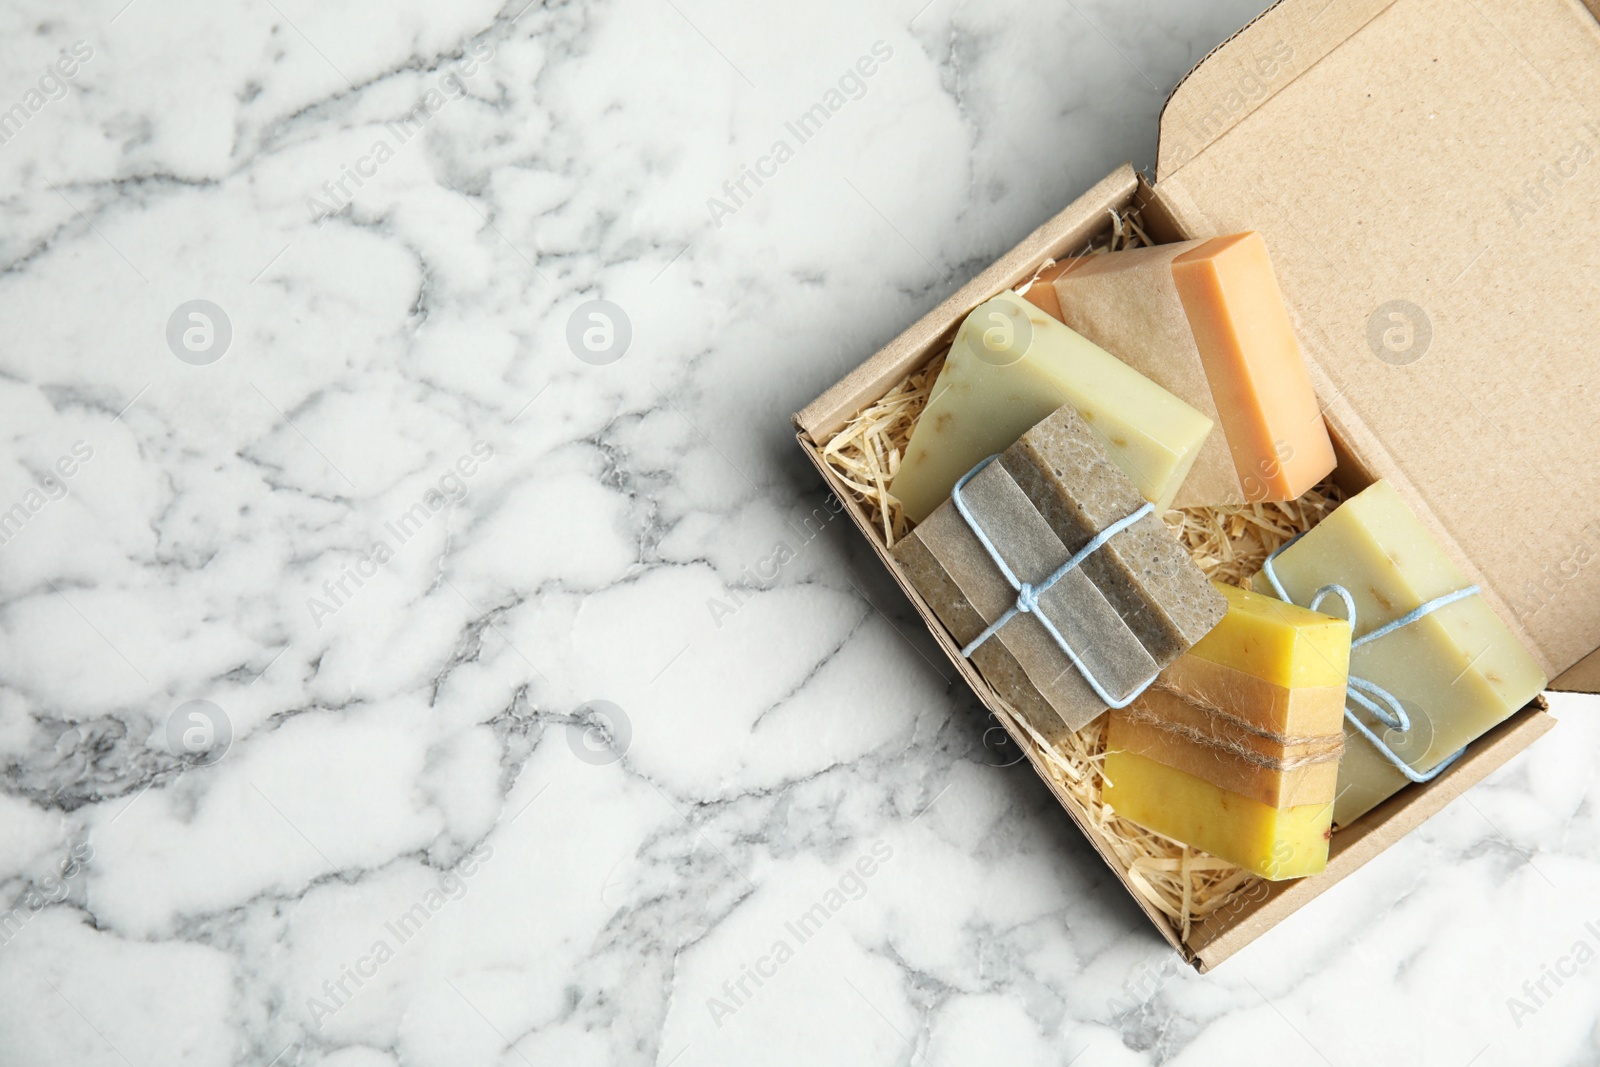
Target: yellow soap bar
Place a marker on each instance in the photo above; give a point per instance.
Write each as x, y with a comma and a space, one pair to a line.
1458, 671
1255, 708
1280, 643
1273, 843
1011, 366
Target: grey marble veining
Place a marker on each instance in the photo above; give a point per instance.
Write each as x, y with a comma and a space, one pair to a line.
383, 683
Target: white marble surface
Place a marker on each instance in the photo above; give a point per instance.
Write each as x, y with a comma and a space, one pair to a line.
413, 743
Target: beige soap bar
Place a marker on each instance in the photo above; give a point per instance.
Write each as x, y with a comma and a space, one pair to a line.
1010, 366
1458, 671
1171, 729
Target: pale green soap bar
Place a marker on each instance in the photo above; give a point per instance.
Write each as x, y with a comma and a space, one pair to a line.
1011, 366
1458, 671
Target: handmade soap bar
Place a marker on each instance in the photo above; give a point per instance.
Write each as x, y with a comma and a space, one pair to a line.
1227, 717
1144, 572
1023, 652
1277, 666
1132, 606
1009, 367
1207, 321
1457, 671
1173, 730
1275, 843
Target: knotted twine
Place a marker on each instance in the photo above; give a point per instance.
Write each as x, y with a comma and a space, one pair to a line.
1362, 690
1027, 602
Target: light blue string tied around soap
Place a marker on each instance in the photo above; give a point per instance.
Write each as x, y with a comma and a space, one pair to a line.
1363, 691
1028, 595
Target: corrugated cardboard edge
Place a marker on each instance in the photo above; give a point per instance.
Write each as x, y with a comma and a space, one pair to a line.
1213, 943
1226, 86
1070, 231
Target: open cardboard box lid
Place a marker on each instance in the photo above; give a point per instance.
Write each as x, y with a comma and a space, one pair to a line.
1439, 161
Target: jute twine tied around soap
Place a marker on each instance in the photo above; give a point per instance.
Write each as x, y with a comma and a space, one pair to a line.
1228, 543
1326, 748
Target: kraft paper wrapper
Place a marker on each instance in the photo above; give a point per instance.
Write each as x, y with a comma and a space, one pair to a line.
1153, 336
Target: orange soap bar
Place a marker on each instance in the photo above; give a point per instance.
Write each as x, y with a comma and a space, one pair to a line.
1206, 321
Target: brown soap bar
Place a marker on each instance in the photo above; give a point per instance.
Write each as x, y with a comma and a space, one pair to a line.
1110, 627
1143, 571
993, 660
1278, 771
1091, 626
1152, 335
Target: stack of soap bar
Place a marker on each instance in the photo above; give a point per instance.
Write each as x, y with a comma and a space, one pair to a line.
1236, 750
1458, 671
1279, 666
1130, 608
1009, 367
1207, 321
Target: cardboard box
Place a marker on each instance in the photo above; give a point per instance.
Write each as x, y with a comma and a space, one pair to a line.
1427, 175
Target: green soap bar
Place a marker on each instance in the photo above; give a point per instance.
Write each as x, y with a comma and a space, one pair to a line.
1458, 671
1011, 365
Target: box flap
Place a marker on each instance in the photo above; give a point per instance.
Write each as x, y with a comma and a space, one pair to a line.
1249, 68
1427, 173
1582, 677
